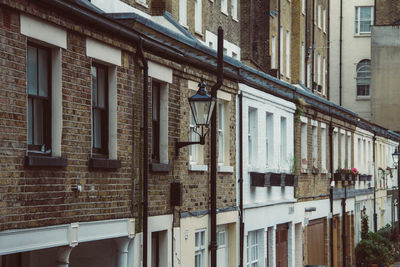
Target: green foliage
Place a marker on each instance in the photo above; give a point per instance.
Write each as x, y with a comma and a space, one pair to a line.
374, 249
364, 227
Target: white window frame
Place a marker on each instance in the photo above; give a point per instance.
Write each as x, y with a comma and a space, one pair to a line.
349, 161
303, 6
273, 52
142, 2
335, 150
224, 7
198, 20
200, 249
283, 151
324, 26
221, 132
288, 54
234, 9
253, 246
304, 146
357, 20
315, 12
315, 145
364, 66
343, 150
324, 76
323, 147
319, 70
183, 12
193, 137
319, 17
269, 139
252, 136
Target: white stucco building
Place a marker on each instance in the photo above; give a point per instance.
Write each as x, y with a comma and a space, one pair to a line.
350, 55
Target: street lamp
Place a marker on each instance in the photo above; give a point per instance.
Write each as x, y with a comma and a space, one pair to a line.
201, 105
396, 156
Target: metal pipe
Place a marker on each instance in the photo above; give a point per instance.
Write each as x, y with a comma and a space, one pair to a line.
398, 194
241, 252
331, 194
145, 149
344, 226
340, 52
313, 48
328, 91
279, 39
213, 180
306, 47
375, 179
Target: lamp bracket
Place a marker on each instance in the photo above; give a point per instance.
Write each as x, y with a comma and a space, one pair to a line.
179, 145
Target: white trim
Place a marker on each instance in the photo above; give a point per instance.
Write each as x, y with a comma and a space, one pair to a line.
22, 240
226, 169
224, 96
323, 125
112, 113
314, 123
56, 102
160, 72
198, 168
303, 119
43, 31
103, 52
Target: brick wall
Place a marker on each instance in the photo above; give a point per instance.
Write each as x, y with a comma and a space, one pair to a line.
387, 12
35, 197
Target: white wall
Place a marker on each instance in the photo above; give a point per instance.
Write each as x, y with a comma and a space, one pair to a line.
279, 108
354, 48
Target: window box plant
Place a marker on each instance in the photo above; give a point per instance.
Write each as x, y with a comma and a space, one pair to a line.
345, 174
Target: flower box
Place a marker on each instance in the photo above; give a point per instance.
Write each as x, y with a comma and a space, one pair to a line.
257, 179
365, 177
273, 179
339, 176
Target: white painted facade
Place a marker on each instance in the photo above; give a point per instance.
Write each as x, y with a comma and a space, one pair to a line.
355, 47
267, 147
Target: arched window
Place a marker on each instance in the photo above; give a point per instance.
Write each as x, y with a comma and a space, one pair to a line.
363, 77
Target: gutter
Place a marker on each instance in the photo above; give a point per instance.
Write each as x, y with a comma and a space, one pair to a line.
241, 226
340, 52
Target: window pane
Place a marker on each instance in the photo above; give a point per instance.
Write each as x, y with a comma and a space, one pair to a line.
101, 87
220, 147
32, 70
43, 72
38, 122
197, 239
365, 26
202, 238
365, 13
156, 101
97, 128
93, 71
30, 121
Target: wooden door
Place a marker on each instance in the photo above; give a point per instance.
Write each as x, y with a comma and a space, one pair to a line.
282, 245
336, 241
316, 250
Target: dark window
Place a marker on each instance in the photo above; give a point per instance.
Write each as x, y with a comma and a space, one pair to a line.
155, 137
363, 77
100, 108
39, 95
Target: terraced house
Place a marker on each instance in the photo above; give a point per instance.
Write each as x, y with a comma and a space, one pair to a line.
105, 163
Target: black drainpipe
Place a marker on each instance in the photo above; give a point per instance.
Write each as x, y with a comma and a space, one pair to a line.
344, 225
331, 192
313, 46
340, 52
375, 180
306, 48
241, 252
279, 39
220, 77
145, 149
328, 88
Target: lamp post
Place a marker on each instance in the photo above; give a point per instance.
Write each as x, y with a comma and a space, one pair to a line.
396, 156
202, 106
203, 102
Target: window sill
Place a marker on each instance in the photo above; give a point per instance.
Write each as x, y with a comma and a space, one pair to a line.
198, 168
142, 4
184, 26
225, 13
235, 19
225, 169
160, 167
199, 33
362, 35
363, 98
44, 161
105, 164
304, 170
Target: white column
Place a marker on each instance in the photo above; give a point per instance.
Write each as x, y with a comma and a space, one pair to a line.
272, 245
63, 256
122, 245
291, 245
